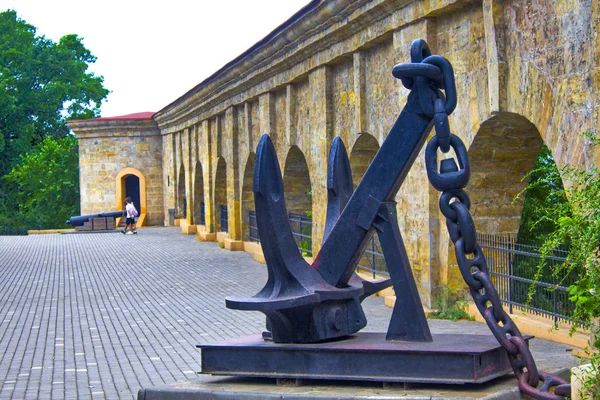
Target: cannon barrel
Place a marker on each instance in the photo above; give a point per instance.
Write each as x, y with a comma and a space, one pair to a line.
79, 220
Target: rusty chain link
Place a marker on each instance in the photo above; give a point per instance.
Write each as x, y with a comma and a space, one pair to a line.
455, 204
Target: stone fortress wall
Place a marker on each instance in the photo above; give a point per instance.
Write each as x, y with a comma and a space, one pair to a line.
526, 72
111, 149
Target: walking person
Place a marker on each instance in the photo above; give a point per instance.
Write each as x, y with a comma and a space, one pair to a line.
130, 214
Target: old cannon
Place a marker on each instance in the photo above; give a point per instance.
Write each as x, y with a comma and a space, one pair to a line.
79, 220
313, 312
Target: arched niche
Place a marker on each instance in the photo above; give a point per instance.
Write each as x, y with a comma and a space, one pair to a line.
221, 194
296, 183
363, 152
198, 195
181, 195
248, 199
501, 154
298, 198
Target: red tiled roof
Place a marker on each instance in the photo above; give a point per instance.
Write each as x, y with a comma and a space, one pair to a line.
128, 117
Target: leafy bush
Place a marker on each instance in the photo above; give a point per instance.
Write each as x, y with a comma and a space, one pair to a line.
576, 224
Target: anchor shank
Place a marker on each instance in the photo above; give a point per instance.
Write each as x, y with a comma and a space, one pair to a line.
335, 261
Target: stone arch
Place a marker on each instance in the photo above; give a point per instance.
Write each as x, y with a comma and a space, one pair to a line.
296, 183
247, 196
503, 151
181, 195
220, 191
364, 150
297, 190
198, 195
123, 179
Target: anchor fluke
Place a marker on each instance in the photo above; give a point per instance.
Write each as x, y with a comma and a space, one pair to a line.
300, 306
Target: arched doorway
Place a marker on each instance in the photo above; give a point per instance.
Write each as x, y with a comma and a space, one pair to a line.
132, 189
298, 198
249, 231
181, 197
221, 196
130, 182
199, 206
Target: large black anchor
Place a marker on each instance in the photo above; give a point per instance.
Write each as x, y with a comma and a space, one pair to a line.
305, 303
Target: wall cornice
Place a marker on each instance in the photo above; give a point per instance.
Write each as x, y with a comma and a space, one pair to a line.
113, 128
321, 32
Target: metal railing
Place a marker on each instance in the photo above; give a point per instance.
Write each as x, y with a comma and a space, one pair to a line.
302, 231
372, 259
252, 227
202, 214
223, 218
523, 283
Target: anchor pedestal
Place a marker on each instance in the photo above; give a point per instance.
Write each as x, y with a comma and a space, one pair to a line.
455, 359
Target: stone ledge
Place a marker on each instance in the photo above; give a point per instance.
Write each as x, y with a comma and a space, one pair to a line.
204, 236
233, 245
187, 229
256, 250
48, 231
220, 238
529, 324
540, 327
210, 388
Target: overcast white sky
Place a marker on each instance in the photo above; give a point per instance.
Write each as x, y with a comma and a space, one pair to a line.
152, 52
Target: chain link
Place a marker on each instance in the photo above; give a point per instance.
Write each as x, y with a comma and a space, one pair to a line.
455, 206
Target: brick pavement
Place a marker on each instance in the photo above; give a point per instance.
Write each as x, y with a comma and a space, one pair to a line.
101, 315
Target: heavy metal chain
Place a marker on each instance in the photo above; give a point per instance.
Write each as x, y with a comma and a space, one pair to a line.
451, 179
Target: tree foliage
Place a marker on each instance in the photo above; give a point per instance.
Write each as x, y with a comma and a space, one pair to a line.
544, 192
571, 219
46, 183
42, 85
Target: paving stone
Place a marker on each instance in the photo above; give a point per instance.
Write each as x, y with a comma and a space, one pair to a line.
93, 315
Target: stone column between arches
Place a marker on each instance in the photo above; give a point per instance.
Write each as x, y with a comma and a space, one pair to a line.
233, 241
207, 232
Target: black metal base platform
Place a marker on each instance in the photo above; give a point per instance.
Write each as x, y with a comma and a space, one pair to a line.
454, 359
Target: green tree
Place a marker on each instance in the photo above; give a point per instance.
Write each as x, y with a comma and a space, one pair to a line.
543, 193
46, 184
42, 84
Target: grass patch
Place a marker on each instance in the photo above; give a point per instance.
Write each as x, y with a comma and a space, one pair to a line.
448, 305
